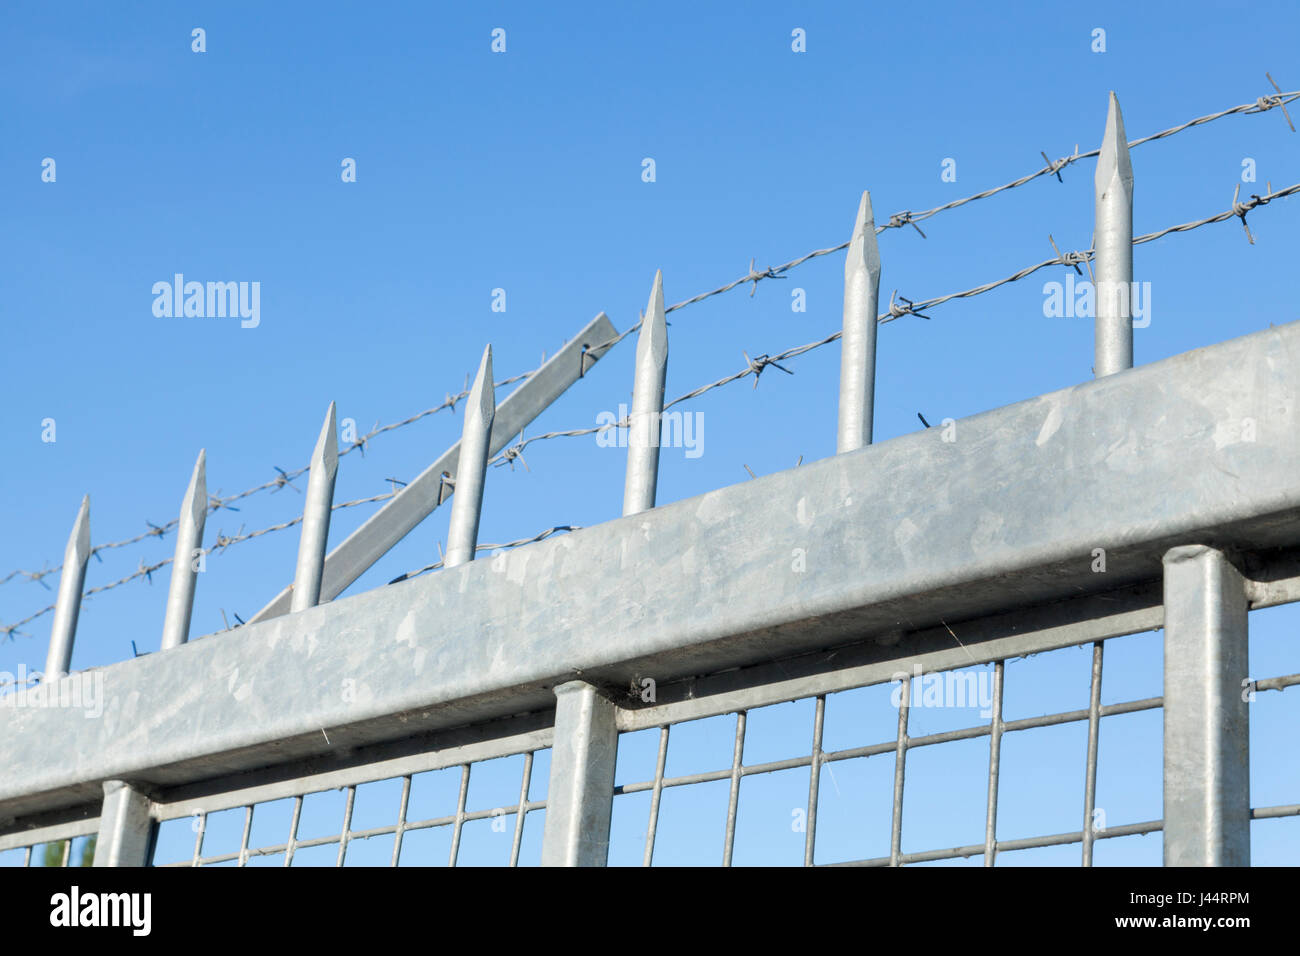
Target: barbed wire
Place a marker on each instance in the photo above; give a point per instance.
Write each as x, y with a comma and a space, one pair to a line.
907, 218
755, 366
282, 480
145, 571
14, 682
540, 536
897, 220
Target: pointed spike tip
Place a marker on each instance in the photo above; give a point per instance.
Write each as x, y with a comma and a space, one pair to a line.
196, 495
864, 250
482, 395
652, 341
327, 445
78, 550
1113, 160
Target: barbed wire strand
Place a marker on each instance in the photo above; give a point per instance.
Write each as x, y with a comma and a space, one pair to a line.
283, 479
756, 366
540, 536
897, 220
145, 571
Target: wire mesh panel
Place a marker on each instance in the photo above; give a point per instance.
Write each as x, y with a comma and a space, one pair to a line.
1029, 761
477, 805
1274, 717
73, 852
69, 843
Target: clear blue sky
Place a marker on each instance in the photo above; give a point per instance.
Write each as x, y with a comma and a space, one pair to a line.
522, 171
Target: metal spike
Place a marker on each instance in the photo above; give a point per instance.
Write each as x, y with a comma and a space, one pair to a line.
476, 433
68, 605
647, 405
1113, 326
189, 538
858, 342
316, 516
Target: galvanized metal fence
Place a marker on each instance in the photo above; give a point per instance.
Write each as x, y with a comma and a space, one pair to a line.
555, 652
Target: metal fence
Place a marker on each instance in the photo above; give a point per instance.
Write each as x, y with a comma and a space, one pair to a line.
516, 687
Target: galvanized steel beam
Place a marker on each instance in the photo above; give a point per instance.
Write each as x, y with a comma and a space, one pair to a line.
580, 795
1012, 514
1207, 721
415, 502
125, 827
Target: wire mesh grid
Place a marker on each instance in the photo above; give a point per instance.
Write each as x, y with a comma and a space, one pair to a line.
867, 774
782, 822
484, 812
74, 851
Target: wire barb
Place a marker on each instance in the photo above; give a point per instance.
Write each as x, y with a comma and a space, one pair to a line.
1069, 258
1266, 103
1240, 209
758, 363
908, 307
754, 275
904, 218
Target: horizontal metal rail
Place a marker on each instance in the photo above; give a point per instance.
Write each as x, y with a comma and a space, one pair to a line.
1027, 843
363, 766
1030, 490
51, 833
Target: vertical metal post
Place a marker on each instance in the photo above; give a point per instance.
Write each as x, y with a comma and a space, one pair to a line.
1090, 770
189, 539
316, 516
733, 798
525, 781
995, 767
467, 505
459, 826
580, 795
67, 606
858, 342
656, 795
814, 782
1113, 326
125, 827
900, 773
1206, 739
647, 405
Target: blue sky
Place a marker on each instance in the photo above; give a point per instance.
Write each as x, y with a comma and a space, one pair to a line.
523, 171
